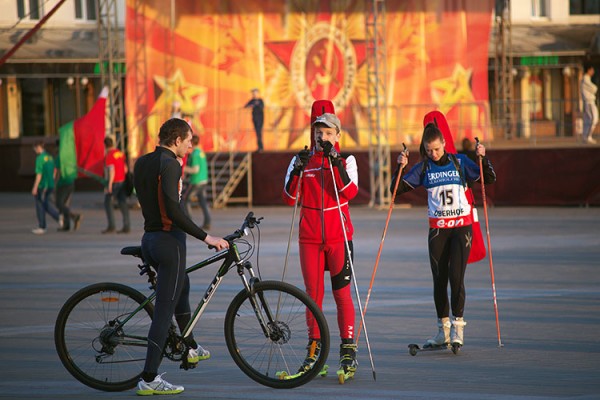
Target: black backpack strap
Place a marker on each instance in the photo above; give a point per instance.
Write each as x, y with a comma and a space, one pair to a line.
462, 178
424, 169
457, 166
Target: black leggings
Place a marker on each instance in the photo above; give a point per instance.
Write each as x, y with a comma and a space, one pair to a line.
166, 252
448, 254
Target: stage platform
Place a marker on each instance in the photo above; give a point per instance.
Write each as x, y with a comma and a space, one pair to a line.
557, 172
538, 176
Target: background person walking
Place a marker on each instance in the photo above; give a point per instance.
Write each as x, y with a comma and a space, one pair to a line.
590, 109
196, 170
43, 186
114, 173
65, 187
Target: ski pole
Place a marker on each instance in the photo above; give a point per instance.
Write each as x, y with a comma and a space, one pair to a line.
362, 315
487, 233
287, 253
387, 221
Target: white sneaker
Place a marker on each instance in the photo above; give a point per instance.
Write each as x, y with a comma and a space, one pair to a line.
61, 221
591, 140
197, 354
157, 386
38, 231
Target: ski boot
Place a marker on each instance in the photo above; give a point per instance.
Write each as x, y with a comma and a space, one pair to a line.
348, 363
313, 352
442, 339
457, 334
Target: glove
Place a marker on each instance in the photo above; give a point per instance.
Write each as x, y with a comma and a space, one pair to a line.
329, 150
302, 159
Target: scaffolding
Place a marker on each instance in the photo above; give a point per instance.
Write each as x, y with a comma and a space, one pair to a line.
140, 68
503, 68
169, 21
379, 148
111, 67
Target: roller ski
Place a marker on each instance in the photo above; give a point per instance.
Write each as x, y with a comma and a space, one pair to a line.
413, 348
449, 337
313, 352
348, 363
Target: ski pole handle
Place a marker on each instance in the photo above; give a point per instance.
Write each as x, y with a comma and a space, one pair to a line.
404, 153
477, 143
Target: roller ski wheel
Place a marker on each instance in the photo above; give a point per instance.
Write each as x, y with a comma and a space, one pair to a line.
456, 347
324, 371
283, 375
344, 375
413, 348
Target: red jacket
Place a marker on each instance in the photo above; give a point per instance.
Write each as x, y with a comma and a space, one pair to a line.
319, 214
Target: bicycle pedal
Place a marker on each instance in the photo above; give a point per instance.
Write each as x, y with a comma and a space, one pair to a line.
187, 366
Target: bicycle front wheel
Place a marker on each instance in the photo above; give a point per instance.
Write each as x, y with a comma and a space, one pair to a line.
266, 334
101, 339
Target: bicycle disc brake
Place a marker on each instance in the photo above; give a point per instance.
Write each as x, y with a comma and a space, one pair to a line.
280, 332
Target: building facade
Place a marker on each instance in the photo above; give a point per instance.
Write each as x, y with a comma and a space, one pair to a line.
54, 77
551, 39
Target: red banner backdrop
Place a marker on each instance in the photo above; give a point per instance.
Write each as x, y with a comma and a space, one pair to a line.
205, 57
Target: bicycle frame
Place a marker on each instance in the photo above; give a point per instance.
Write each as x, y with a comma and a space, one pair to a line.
230, 257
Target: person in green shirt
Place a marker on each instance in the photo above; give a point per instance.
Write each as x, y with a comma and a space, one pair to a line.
196, 170
65, 187
43, 186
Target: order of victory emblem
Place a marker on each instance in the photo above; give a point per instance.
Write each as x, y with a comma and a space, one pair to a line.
323, 66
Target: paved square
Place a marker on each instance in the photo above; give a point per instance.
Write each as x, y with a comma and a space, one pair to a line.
547, 268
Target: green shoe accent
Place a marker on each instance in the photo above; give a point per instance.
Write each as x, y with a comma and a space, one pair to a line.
197, 354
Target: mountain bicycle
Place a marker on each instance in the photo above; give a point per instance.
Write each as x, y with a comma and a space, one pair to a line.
101, 331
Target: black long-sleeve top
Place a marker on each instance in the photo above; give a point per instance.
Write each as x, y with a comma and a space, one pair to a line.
157, 181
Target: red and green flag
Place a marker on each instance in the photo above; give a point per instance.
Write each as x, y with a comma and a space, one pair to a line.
81, 146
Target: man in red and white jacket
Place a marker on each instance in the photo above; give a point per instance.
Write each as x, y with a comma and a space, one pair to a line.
321, 235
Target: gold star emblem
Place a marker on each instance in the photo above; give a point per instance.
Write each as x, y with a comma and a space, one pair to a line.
191, 98
454, 89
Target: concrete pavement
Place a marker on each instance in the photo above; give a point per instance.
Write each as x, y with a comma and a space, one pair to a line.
546, 264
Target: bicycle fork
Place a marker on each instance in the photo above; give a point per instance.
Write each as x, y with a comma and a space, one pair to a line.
259, 304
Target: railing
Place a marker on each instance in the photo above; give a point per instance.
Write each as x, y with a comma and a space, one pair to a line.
226, 172
533, 121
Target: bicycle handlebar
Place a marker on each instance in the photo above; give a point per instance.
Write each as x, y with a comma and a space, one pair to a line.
249, 222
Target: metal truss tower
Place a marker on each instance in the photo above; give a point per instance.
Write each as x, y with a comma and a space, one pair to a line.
379, 148
111, 66
503, 68
168, 20
140, 72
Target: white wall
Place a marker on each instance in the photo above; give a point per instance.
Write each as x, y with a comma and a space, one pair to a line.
557, 12
63, 17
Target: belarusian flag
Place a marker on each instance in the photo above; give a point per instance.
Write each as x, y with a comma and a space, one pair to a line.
81, 145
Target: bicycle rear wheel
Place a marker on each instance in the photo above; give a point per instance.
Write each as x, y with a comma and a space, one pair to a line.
91, 342
274, 359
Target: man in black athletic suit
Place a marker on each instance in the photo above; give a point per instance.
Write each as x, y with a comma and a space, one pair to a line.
157, 180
